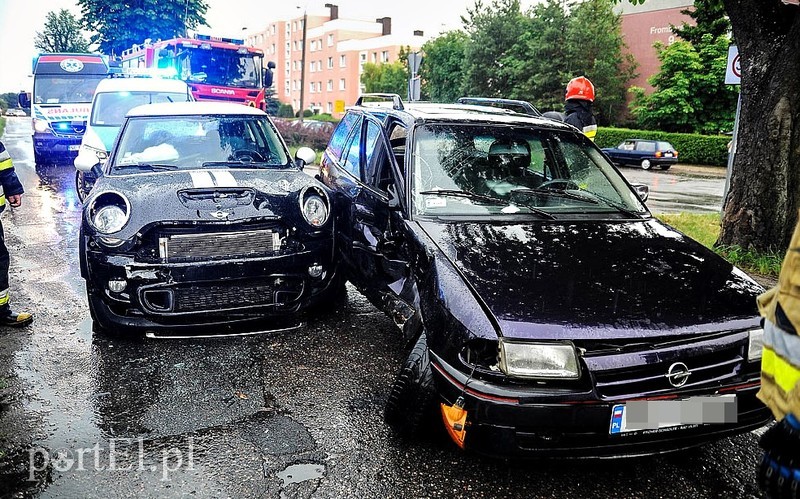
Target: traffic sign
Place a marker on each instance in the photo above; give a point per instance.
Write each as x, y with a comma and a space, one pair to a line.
733, 73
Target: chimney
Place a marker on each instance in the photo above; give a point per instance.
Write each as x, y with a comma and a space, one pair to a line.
386, 22
334, 11
418, 32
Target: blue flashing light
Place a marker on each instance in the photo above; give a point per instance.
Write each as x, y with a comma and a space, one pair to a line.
63, 126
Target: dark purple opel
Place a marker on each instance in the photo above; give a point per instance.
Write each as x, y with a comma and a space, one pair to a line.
547, 311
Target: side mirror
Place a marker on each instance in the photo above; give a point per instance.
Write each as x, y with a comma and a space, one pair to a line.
86, 162
642, 191
267, 74
24, 99
305, 156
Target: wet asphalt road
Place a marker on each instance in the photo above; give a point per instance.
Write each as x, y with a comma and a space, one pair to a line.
279, 415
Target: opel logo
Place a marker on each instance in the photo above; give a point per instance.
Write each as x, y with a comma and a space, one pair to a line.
678, 374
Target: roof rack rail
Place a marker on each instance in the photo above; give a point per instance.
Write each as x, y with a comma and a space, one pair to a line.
397, 103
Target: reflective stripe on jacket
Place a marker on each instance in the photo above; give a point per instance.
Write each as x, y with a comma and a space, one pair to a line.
9, 183
780, 361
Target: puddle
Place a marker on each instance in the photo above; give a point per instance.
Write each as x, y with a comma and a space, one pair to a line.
297, 473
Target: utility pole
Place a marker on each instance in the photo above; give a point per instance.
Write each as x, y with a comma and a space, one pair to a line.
303, 66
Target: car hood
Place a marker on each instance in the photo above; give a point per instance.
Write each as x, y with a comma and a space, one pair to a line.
206, 196
597, 279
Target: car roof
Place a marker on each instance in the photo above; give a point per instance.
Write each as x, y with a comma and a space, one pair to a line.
141, 84
193, 109
428, 112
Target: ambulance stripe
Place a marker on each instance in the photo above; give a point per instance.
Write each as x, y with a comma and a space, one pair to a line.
224, 179
201, 179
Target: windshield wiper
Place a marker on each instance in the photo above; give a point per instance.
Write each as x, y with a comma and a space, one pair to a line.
488, 199
555, 193
237, 164
150, 166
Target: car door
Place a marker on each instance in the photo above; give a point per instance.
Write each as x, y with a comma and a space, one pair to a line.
379, 252
624, 152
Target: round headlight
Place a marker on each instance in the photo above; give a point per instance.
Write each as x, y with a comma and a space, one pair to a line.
109, 219
41, 125
315, 210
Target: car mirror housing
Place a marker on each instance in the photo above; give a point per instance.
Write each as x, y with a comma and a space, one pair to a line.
642, 190
306, 155
86, 163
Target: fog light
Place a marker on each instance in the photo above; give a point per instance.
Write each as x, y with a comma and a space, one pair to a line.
117, 286
315, 270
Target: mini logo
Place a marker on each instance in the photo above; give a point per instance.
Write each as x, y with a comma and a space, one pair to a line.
220, 214
225, 91
71, 65
678, 374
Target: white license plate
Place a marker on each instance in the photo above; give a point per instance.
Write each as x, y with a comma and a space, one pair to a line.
74, 147
655, 415
667, 154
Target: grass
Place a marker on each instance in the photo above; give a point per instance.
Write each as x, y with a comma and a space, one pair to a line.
705, 227
2, 125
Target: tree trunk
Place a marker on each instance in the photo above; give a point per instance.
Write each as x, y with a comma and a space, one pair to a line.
761, 209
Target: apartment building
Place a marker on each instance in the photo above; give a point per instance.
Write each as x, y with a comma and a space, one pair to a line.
336, 50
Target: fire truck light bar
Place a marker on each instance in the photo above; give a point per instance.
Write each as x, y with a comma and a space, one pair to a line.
210, 38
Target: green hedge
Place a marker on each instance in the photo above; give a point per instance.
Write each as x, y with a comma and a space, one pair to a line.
692, 148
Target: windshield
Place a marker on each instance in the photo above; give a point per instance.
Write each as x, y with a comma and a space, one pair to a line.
190, 142
217, 66
110, 108
65, 89
502, 170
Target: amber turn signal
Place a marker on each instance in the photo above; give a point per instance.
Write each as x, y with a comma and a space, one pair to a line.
455, 419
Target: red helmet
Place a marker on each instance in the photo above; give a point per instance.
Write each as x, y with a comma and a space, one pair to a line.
580, 88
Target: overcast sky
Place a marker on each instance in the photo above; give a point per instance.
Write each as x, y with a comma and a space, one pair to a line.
21, 19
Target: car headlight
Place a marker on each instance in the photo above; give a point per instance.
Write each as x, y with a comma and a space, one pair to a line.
41, 125
109, 212
755, 343
539, 360
314, 205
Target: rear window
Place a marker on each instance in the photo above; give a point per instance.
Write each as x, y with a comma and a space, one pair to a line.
664, 146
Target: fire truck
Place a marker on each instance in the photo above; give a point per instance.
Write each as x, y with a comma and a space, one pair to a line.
216, 69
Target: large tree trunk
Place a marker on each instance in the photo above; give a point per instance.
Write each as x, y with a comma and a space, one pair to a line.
764, 197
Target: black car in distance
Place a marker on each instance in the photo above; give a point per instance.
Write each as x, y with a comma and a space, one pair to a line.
200, 221
546, 311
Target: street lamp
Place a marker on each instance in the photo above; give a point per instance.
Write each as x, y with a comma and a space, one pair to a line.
303, 64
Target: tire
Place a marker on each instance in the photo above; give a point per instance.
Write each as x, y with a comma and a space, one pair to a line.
412, 400
646, 165
665, 167
81, 189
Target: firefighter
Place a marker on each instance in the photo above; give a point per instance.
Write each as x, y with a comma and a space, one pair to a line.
779, 474
12, 192
578, 106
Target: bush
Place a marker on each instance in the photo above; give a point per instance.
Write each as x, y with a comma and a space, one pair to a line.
692, 148
285, 111
298, 135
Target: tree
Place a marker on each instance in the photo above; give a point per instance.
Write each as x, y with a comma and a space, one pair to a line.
8, 100
442, 66
62, 33
119, 24
385, 78
761, 208
493, 32
709, 18
594, 48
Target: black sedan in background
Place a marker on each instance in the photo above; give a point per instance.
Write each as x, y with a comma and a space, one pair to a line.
546, 311
643, 153
200, 220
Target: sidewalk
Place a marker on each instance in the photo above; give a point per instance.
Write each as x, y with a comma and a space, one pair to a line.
702, 170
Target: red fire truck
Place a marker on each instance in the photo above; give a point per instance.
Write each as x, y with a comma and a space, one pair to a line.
218, 69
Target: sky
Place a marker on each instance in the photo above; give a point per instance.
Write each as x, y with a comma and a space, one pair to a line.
21, 19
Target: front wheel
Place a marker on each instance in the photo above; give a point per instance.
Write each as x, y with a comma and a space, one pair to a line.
413, 397
646, 164
83, 185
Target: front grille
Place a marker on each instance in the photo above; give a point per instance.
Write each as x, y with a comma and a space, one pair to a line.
714, 362
68, 128
218, 245
222, 98
210, 297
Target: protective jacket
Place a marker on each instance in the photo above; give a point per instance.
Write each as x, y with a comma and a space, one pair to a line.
780, 360
9, 182
579, 114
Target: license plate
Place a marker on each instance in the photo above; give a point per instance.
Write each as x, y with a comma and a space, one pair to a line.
667, 154
664, 415
73, 147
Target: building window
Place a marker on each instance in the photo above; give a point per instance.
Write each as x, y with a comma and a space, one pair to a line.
330, 40
272, 30
330, 62
287, 89
342, 60
294, 26
363, 57
330, 107
385, 56
374, 57
311, 87
330, 85
341, 84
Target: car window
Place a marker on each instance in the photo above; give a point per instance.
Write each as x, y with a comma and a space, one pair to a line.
628, 145
110, 108
646, 146
339, 138
352, 154
371, 152
378, 165
189, 142
664, 146
497, 170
